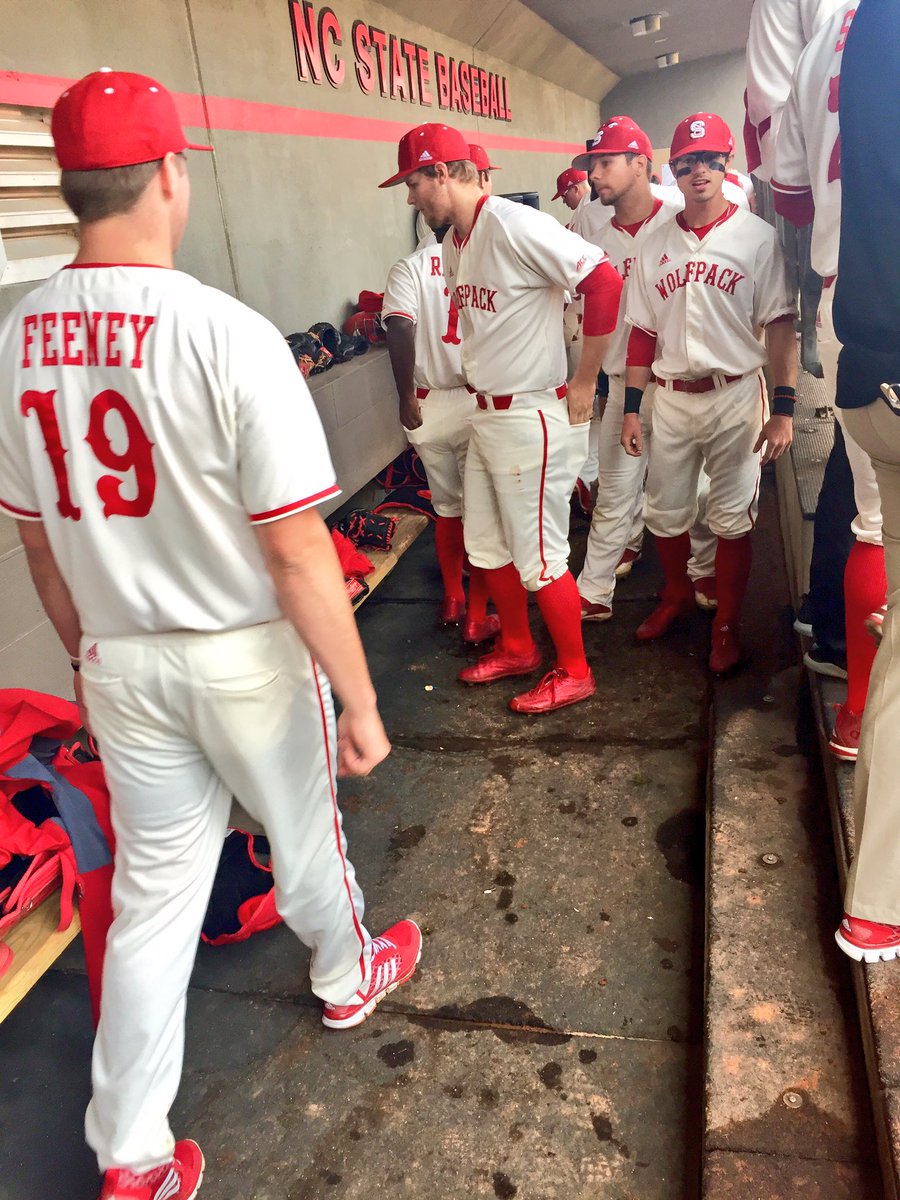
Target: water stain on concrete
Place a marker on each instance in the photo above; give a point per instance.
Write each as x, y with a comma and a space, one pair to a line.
504, 900
510, 918
667, 944
629, 822
504, 1187
550, 1076
405, 839
488, 1097
587, 1056
680, 841
397, 1054
503, 879
510, 1020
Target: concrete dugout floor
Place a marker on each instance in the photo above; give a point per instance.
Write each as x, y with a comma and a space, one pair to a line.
550, 1045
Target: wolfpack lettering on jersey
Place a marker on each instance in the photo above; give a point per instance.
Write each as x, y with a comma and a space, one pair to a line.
779, 29
706, 299
599, 226
509, 278
124, 469
808, 151
417, 291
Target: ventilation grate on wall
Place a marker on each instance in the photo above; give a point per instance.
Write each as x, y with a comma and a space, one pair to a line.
37, 229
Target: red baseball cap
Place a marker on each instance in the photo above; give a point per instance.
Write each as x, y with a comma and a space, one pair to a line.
618, 135
426, 145
568, 179
479, 157
116, 119
701, 131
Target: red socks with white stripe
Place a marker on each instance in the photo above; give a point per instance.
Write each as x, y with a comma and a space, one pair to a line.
733, 559
560, 607
865, 591
450, 549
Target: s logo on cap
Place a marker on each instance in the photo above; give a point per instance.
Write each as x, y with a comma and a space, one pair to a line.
698, 129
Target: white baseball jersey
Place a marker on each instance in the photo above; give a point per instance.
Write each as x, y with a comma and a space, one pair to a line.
599, 225
779, 29
744, 182
808, 151
150, 422
416, 290
508, 278
706, 300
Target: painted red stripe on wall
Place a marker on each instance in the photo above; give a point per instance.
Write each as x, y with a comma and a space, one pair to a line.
249, 116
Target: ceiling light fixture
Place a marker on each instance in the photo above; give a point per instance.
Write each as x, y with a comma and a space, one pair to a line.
641, 26
668, 60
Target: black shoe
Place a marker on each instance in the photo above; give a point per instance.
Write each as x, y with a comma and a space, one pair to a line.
825, 661
803, 621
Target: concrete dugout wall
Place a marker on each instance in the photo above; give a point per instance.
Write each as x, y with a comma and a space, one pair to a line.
286, 215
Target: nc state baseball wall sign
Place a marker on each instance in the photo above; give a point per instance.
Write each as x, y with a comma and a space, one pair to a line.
399, 68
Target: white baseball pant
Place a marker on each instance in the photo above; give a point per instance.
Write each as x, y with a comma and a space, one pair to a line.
185, 720
873, 882
590, 470
442, 441
867, 524
521, 468
716, 430
617, 524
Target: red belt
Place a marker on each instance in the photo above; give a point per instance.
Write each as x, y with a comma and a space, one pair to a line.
707, 384
421, 393
501, 403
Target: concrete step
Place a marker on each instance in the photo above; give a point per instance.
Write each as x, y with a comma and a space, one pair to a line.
785, 1109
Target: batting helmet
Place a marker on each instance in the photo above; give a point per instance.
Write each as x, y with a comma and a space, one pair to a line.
618, 135
701, 131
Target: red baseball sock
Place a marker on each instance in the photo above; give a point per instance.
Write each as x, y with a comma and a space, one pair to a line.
674, 553
511, 601
560, 607
448, 543
865, 590
733, 559
476, 609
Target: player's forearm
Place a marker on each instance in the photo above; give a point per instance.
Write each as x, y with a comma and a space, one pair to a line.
781, 346
593, 351
301, 559
401, 343
51, 588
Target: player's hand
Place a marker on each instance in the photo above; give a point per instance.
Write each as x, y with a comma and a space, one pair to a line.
632, 436
581, 402
82, 707
777, 435
410, 413
362, 742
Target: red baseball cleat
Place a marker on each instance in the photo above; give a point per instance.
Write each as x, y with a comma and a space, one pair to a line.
498, 664
844, 740
626, 562
705, 593
868, 941
594, 612
394, 958
583, 497
481, 631
725, 653
557, 689
874, 623
179, 1179
664, 615
452, 610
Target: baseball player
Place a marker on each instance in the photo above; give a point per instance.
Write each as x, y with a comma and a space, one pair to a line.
573, 189
508, 268
807, 186
436, 411
702, 286
867, 321
779, 29
483, 165
163, 459
620, 220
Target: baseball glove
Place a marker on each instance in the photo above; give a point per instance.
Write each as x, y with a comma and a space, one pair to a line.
365, 528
